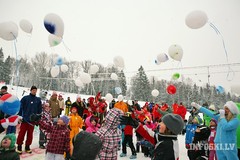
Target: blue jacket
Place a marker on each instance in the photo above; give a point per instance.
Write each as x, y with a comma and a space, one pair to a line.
190, 132
226, 131
30, 104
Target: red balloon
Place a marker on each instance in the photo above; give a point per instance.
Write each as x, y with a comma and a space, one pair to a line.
171, 89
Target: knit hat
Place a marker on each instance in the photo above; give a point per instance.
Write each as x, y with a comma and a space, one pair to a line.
173, 122
54, 93
65, 119
232, 107
214, 120
33, 87
86, 145
12, 137
212, 107
199, 120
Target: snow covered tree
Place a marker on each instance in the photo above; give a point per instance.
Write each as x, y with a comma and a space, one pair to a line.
140, 86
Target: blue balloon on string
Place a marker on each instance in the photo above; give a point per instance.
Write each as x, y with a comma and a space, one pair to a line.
220, 89
59, 61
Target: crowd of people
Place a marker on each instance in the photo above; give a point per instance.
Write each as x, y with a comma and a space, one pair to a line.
110, 127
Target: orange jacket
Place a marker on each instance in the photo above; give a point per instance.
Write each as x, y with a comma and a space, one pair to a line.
122, 106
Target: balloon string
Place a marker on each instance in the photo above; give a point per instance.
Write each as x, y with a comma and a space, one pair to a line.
225, 50
28, 43
17, 67
66, 47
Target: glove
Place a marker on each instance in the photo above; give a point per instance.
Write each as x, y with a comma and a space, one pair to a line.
68, 157
129, 121
35, 117
197, 106
187, 146
10, 121
222, 113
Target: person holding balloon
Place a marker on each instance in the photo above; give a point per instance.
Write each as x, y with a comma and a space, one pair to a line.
226, 136
30, 104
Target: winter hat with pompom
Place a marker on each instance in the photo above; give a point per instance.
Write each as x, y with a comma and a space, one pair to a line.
173, 122
232, 107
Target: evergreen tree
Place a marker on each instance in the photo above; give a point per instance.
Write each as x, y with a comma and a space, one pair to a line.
7, 68
1, 65
122, 82
140, 86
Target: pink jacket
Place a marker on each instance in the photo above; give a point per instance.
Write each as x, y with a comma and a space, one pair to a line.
90, 127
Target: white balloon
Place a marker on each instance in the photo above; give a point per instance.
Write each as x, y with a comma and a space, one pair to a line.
64, 68
175, 52
93, 69
26, 26
118, 61
54, 24
109, 97
54, 40
162, 57
55, 71
196, 19
78, 82
114, 76
8, 31
85, 78
120, 97
155, 93
130, 103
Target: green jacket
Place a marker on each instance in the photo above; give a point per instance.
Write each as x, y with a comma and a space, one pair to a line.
10, 154
238, 129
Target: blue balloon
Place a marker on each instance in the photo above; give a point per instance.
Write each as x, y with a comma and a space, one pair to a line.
220, 89
51, 28
9, 104
59, 61
118, 90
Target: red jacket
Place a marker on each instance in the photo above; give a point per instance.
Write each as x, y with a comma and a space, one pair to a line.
181, 111
128, 130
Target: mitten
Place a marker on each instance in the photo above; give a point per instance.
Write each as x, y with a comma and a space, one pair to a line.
125, 120
197, 106
222, 113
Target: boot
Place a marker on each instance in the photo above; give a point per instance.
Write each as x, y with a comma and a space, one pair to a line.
27, 149
19, 149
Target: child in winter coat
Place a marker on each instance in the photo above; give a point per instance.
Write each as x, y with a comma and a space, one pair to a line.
110, 135
165, 142
7, 148
190, 132
59, 141
75, 124
128, 139
212, 151
199, 146
92, 125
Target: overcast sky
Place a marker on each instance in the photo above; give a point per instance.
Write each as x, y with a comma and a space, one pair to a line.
137, 30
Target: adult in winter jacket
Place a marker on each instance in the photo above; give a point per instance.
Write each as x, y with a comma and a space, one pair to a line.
30, 104
226, 136
181, 110
79, 105
54, 105
110, 135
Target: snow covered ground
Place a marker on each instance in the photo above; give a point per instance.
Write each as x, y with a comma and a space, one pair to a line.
39, 154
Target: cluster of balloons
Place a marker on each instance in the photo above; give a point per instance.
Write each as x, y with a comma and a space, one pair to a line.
171, 89
59, 66
84, 78
9, 30
9, 104
174, 51
55, 26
